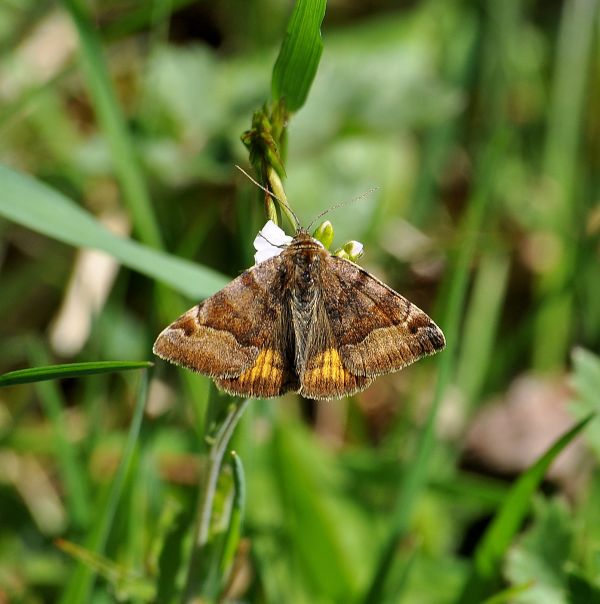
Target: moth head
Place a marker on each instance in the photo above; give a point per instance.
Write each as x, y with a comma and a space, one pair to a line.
307, 260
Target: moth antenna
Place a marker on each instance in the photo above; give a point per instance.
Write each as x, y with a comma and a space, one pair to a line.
281, 245
283, 203
341, 205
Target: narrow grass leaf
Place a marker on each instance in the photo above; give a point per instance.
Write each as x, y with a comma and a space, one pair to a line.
542, 552
315, 524
234, 530
508, 595
300, 53
203, 580
482, 318
102, 95
69, 370
575, 54
172, 534
126, 584
40, 208
80, 585
398, 581
507, 521
71, 466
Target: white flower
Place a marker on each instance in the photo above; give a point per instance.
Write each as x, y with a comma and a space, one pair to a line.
270, 242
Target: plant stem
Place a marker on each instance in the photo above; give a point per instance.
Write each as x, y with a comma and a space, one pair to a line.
205, 504
277, 187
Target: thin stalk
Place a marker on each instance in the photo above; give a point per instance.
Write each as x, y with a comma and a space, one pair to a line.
207, 495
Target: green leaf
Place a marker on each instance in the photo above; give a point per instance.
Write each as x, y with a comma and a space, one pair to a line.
582, 590
40, 208
58, 372
173, 530
299, 55
540, 556
506, 596
318, 524
586, 383
506, 523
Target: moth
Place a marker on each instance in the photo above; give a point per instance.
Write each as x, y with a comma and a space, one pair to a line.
303, 321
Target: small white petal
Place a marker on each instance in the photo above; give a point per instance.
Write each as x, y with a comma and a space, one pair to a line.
273, 234
270, 242
265, 254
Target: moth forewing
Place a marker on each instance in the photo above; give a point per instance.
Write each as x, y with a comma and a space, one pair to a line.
302, 321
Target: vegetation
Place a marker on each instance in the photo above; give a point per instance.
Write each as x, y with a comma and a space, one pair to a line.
470, 477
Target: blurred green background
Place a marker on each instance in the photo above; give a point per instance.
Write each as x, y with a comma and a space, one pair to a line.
479, 123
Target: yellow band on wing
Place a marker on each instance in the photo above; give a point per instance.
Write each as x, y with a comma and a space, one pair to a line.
326, 367
268, 366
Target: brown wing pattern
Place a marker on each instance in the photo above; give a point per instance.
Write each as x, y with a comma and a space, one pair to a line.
234, 336
378, 331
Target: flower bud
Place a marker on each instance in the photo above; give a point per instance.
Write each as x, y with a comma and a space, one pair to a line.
324, 234
352, 250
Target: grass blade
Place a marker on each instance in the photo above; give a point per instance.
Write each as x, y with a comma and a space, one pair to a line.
103, 98
481, 323
575, 54
236, 518
70, 463
69, 370
80, 585
40, 208
315, 524
507, 521
126, 584
300, 53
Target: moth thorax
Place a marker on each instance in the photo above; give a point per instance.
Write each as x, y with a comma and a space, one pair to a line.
306, 277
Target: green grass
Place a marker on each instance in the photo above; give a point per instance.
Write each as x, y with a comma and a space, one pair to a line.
477, 122
57, 372
45, 210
